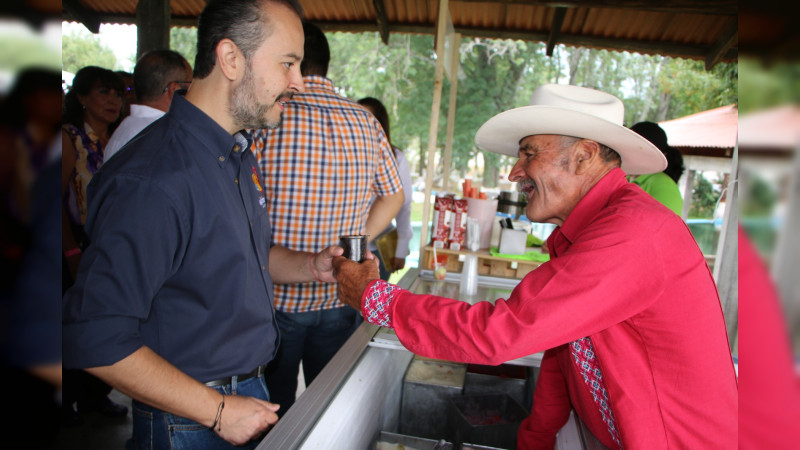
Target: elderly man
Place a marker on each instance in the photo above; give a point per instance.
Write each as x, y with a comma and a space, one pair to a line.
626, 308
173, 300
157, 76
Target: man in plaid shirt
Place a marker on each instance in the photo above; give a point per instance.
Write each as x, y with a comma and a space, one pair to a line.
328, 172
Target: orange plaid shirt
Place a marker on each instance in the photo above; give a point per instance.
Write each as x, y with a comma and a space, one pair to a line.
322, 169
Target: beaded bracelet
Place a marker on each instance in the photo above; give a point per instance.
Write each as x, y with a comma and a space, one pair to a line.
311, 266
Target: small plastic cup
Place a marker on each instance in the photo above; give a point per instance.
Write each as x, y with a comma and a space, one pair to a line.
439, 271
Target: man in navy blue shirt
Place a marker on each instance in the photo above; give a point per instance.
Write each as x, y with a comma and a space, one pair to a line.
173, 300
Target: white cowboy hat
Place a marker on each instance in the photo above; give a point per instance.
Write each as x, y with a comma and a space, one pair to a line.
572, 111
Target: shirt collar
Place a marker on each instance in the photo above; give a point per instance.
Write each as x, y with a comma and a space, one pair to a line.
213, 138
318, 82
243, 140
589, 206
138, 110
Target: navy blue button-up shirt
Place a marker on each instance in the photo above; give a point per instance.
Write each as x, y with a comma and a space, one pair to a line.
179, 251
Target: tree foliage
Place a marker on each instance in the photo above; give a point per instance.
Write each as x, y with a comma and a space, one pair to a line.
495, 75
81, 48
184, 41
704, 198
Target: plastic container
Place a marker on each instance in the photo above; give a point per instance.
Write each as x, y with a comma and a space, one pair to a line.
512, 242
468, 286
427, 386
483, 211
490, 420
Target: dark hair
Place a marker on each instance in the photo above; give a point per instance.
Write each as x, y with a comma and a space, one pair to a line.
238, 20
380, 113
27, 82
85, 80
655, 134
154, 70
317, 54
675, 165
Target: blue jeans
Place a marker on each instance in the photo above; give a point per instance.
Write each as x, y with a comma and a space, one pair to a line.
155, 429
313, 337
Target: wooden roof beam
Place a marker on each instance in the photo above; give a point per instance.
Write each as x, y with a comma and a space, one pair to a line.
383, 22
80, 14
555, 29
716, 7
725, 43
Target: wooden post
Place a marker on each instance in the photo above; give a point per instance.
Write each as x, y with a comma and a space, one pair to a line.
687, 193
441, 26
726, 265
152, 26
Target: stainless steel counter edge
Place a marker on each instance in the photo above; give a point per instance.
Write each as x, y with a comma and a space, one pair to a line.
295, 425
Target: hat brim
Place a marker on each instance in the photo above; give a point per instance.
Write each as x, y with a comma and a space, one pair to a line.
503, 132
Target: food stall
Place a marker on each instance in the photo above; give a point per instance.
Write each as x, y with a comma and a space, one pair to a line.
368, 393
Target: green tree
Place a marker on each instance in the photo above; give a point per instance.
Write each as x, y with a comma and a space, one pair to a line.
760, 198
81, 49
184, 41
692, 89
496, 75
704, 199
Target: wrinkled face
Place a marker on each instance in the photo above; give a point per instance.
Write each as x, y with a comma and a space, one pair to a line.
272, 74
545, 173
102, 104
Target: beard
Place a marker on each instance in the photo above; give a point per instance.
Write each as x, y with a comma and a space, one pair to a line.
246, 110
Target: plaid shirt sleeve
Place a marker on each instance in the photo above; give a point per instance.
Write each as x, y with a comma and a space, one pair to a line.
377, 302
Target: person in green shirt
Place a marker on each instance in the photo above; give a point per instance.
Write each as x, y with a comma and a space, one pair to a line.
662, 185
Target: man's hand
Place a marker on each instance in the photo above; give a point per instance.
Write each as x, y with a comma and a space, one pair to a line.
353, 278
245, 418
322, 262
398, 263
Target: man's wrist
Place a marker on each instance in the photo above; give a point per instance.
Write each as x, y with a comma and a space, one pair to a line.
377, 301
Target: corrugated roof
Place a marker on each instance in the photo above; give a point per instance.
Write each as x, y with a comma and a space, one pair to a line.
777, 128
715, 128
695, 29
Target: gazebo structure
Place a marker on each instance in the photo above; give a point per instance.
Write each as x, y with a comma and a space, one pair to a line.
706, 140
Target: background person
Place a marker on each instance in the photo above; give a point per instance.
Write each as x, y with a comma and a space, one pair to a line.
403, 218
30, 290
91, 107
661, 185
173, 300
156, 77
128, 95
321, 169
626, 309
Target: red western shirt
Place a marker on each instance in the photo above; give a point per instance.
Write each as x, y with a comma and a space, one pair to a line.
626, 272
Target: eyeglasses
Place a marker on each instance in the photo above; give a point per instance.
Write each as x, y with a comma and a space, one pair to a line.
183, 85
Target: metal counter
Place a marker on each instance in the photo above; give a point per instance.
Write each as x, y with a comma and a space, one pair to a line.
358, 394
